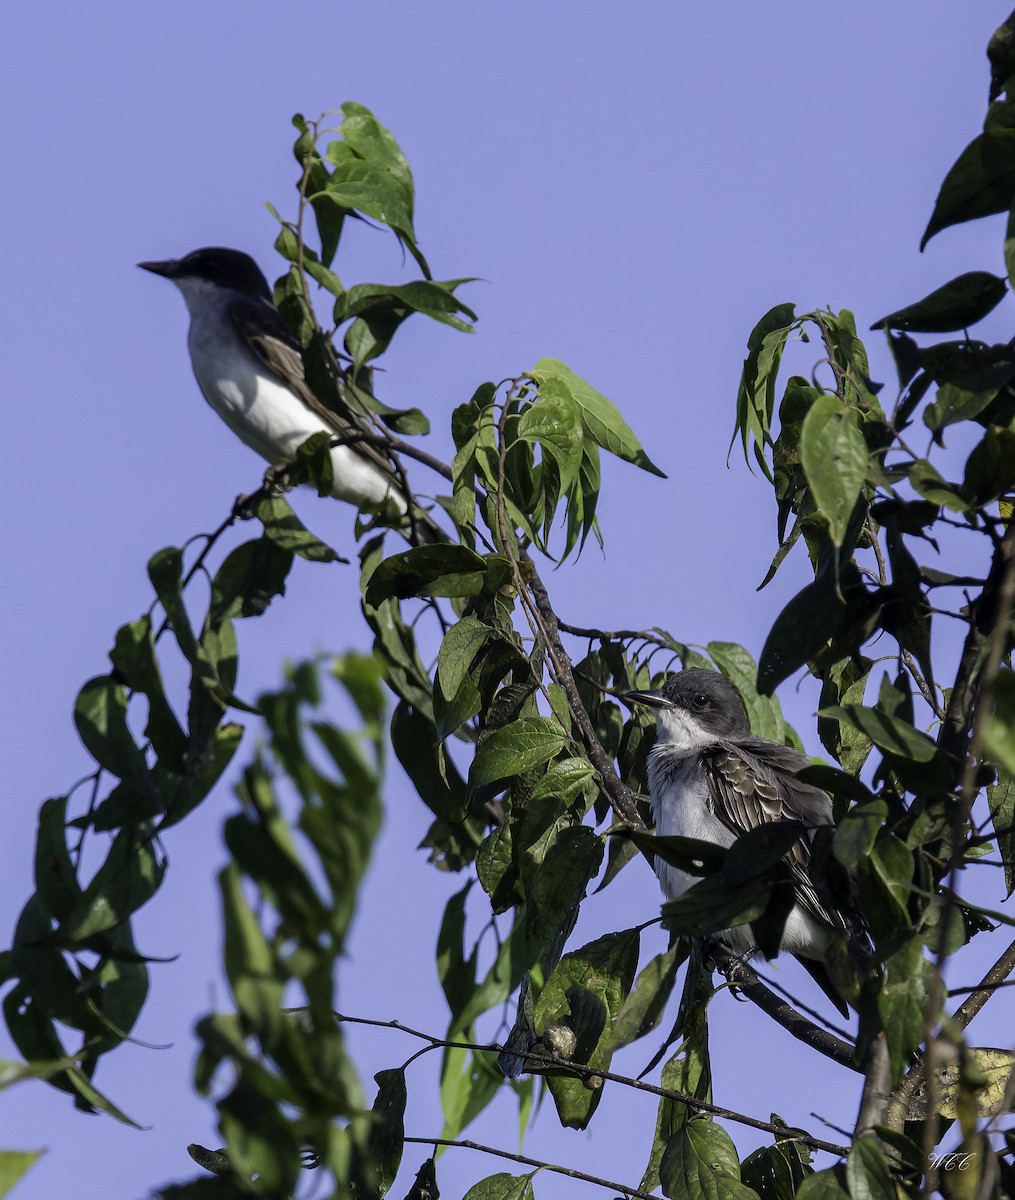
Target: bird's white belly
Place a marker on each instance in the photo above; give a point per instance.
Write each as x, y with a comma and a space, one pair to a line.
682, 812
266, 416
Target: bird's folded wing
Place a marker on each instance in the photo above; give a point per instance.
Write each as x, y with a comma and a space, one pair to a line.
748, 786
262, 327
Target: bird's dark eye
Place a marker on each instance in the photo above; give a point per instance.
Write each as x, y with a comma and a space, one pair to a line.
699, 700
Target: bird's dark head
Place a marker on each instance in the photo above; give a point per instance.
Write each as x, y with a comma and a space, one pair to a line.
694, 708
216, 266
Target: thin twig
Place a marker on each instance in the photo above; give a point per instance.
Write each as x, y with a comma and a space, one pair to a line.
570, 1172
584, 1071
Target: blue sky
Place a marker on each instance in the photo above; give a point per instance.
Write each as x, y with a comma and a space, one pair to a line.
635, 185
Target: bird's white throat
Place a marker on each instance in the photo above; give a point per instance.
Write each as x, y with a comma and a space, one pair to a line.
678, 732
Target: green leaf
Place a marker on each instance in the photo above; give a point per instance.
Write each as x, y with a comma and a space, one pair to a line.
834, 458
710, 906
501, 1187
586, 991
825, 1185
927, 481
981, 182
1000, 739
701, 1161
990, 468
287, 531
902, 1003
250, 964
248, 579
458, 651
857, 831
642, 1010
957, 305
100, 715
764, 712
131, 874
756, 395
553, 422
867, 1171
1001, 799
600, 417
133, 655
14, 1164
385, 1139
56, 879
800, 631
443, 570
518, 747
893, 734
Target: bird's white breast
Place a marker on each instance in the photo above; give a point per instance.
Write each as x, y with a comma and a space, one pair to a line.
679, 793
268, 417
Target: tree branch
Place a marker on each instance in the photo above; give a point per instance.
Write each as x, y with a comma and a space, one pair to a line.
570, 1172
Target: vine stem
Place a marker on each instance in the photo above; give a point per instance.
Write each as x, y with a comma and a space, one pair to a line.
556, 1168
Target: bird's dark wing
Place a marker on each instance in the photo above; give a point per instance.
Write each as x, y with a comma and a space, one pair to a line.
751, 783
266, 333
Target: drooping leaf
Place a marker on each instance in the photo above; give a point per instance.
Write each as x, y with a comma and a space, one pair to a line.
756, 395
444, 570
600, 417
981, 182
893, 734
957, 305
834, 458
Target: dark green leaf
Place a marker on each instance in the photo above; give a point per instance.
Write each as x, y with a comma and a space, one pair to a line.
515, 748
384, 1141
1001, 798
586, 991
902, 1003
1001, 724
129, 877
701, 1160
896, 736
642, 1010
929, 483
800, 631
990, 469
867, 1171
710, 906
756, 395
100, 715
287, 531
247, 581
854, 838
981, 182
55, 877
428, 571
956, 305
693, 855
133, 655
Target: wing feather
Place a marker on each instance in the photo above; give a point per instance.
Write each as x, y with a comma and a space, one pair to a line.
262, 327
748, 786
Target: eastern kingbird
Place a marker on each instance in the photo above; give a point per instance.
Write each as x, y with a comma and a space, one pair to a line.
711, 778
249, 367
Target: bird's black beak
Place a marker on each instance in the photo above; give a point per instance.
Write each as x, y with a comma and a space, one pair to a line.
166, 269
650, 699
